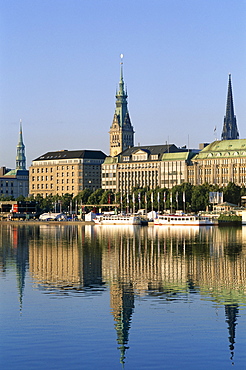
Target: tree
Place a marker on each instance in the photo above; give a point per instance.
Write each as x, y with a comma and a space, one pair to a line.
95, 197
200, 198
82, 196
232, 193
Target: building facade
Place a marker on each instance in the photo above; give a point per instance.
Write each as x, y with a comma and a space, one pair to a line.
15, 183
154, 166
219, 163
121, 132
66, 171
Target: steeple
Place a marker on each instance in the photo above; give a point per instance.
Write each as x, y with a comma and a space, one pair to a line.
121, 131
230, 130
20, 157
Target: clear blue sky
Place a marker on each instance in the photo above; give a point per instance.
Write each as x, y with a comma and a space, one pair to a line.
60, 68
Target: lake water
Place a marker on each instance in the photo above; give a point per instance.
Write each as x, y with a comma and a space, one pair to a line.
108, 297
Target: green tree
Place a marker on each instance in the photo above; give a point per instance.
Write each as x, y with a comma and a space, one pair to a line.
200, 198
95, 197
232, 193
82, 196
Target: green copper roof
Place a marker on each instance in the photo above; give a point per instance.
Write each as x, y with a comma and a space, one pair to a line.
179, 156
224, 148
110, 160
17, 172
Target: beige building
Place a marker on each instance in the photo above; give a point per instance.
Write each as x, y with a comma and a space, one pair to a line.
219, 163
161, 166
66, 171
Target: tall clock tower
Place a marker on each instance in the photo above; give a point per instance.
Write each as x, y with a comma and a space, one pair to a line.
121, 132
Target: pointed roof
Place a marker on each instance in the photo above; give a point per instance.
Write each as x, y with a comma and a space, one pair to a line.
121, 110
230, 131
20, 156
229, 104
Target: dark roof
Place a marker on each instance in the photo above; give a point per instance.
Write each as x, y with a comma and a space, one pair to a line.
153, 149
68, 154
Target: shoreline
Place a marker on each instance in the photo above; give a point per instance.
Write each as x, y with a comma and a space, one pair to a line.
37, 222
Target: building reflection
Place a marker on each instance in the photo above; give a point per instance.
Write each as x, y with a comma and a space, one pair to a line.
166, 262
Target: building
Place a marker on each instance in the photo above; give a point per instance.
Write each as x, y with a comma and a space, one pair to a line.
66, 171
230, 131
121, 131
15, 183
154, 166
129, 166
219, 163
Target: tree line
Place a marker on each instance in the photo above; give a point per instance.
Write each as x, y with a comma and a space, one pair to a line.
186, 197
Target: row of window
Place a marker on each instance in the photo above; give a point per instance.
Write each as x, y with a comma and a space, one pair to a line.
6, 184
51, 169
51, 187
7, 192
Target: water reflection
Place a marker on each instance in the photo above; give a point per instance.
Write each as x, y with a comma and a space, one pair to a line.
170, 264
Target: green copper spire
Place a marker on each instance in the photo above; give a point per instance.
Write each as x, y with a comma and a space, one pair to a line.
121, 131
230, 130
121, 97
20, 157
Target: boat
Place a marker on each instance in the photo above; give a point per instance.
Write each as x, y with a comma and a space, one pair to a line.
53, 217
184, 220
108, 219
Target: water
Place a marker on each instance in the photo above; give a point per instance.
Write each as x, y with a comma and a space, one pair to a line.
107, 297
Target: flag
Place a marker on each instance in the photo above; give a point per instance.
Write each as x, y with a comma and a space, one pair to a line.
164, 197
152, 198
127, 198
139, 197
177, 197
171, 197
158, 197
145, 198
133, 198
121, 198
183, 196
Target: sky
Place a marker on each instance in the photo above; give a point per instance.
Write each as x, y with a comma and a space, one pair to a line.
60, 68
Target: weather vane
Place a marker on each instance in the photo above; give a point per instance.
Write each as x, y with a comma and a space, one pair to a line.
121, 57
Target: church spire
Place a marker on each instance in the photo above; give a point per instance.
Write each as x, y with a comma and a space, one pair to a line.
230, 130
121, 131
20, 157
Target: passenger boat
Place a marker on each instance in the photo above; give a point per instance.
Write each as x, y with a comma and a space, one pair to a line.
107, 219
184, 220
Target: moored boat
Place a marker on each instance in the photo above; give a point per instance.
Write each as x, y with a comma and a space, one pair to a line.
107, 219
184, 220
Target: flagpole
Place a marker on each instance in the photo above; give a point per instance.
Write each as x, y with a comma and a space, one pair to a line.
171, 201
184, 200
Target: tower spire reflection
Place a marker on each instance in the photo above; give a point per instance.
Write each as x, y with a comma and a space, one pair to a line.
122, 304
231, 312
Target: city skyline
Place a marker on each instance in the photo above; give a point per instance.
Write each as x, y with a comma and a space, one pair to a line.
61, 67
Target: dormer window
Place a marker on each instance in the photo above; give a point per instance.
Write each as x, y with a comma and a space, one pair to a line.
154, 157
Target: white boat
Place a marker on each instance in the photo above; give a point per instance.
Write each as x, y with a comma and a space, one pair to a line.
53, 217
184, 220
107, 219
